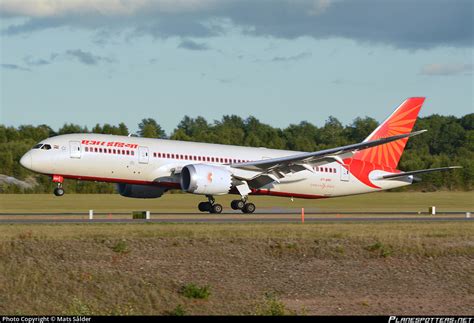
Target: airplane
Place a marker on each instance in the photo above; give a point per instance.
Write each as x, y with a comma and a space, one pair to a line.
147, 168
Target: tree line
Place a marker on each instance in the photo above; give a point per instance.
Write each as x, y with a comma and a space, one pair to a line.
449, 141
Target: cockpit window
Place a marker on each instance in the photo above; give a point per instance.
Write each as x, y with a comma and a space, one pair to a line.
46, 147
38, 146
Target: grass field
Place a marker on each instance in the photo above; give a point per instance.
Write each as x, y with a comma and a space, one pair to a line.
375, 202
410, 268
261, 269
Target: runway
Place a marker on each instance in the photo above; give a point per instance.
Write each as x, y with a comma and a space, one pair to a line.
261, 217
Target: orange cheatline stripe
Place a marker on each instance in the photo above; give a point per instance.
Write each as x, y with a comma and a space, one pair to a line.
379, 155
393, 132
365, 153
402, 129
397, 148
392, 155
372, 154
402, 122
385, 155
401, 115
404, 111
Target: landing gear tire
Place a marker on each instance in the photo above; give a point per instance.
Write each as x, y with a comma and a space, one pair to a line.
205, 206
216, 208
59, 191
237, 204
248, 208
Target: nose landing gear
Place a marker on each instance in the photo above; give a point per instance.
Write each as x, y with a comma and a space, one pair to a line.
58, 191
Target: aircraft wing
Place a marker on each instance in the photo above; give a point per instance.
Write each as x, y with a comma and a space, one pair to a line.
274, 168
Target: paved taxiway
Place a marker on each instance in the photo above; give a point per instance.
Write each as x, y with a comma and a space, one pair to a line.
281, 217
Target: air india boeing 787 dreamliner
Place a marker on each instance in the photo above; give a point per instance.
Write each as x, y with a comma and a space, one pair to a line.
147, 168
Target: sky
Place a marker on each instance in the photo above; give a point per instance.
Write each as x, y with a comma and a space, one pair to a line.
282, 61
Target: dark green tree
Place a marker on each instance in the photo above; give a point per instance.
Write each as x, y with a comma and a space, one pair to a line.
149, 128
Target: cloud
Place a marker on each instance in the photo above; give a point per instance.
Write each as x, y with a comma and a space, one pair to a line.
192, 45
14, 67
86, 57
76, 54
35, 62
446, 69
48, 8
418, 24
292, 58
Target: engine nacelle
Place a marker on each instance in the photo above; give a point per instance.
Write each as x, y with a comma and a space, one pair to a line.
140, 191
206, 179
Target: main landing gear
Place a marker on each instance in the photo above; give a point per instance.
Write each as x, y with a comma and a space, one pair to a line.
243, 206
58, 191
211, 206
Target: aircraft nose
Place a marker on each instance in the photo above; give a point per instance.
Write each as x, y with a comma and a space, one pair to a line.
26, 160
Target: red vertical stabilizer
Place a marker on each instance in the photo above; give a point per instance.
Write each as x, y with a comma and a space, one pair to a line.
401, 121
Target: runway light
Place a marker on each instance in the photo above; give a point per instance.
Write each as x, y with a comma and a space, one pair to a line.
302, 215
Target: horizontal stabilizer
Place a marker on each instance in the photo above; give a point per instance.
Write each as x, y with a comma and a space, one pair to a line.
421, 171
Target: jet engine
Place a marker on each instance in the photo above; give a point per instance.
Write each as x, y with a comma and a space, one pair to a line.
206, 179
140, 191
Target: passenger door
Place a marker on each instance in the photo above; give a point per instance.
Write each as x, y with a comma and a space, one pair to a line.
345, 173
143, 155
75, 149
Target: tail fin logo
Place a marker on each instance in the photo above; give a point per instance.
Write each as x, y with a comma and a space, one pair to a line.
401, 121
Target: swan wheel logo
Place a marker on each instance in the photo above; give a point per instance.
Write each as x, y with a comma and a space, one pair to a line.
209, 177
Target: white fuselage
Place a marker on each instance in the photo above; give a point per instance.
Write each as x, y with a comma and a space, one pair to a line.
158, 162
